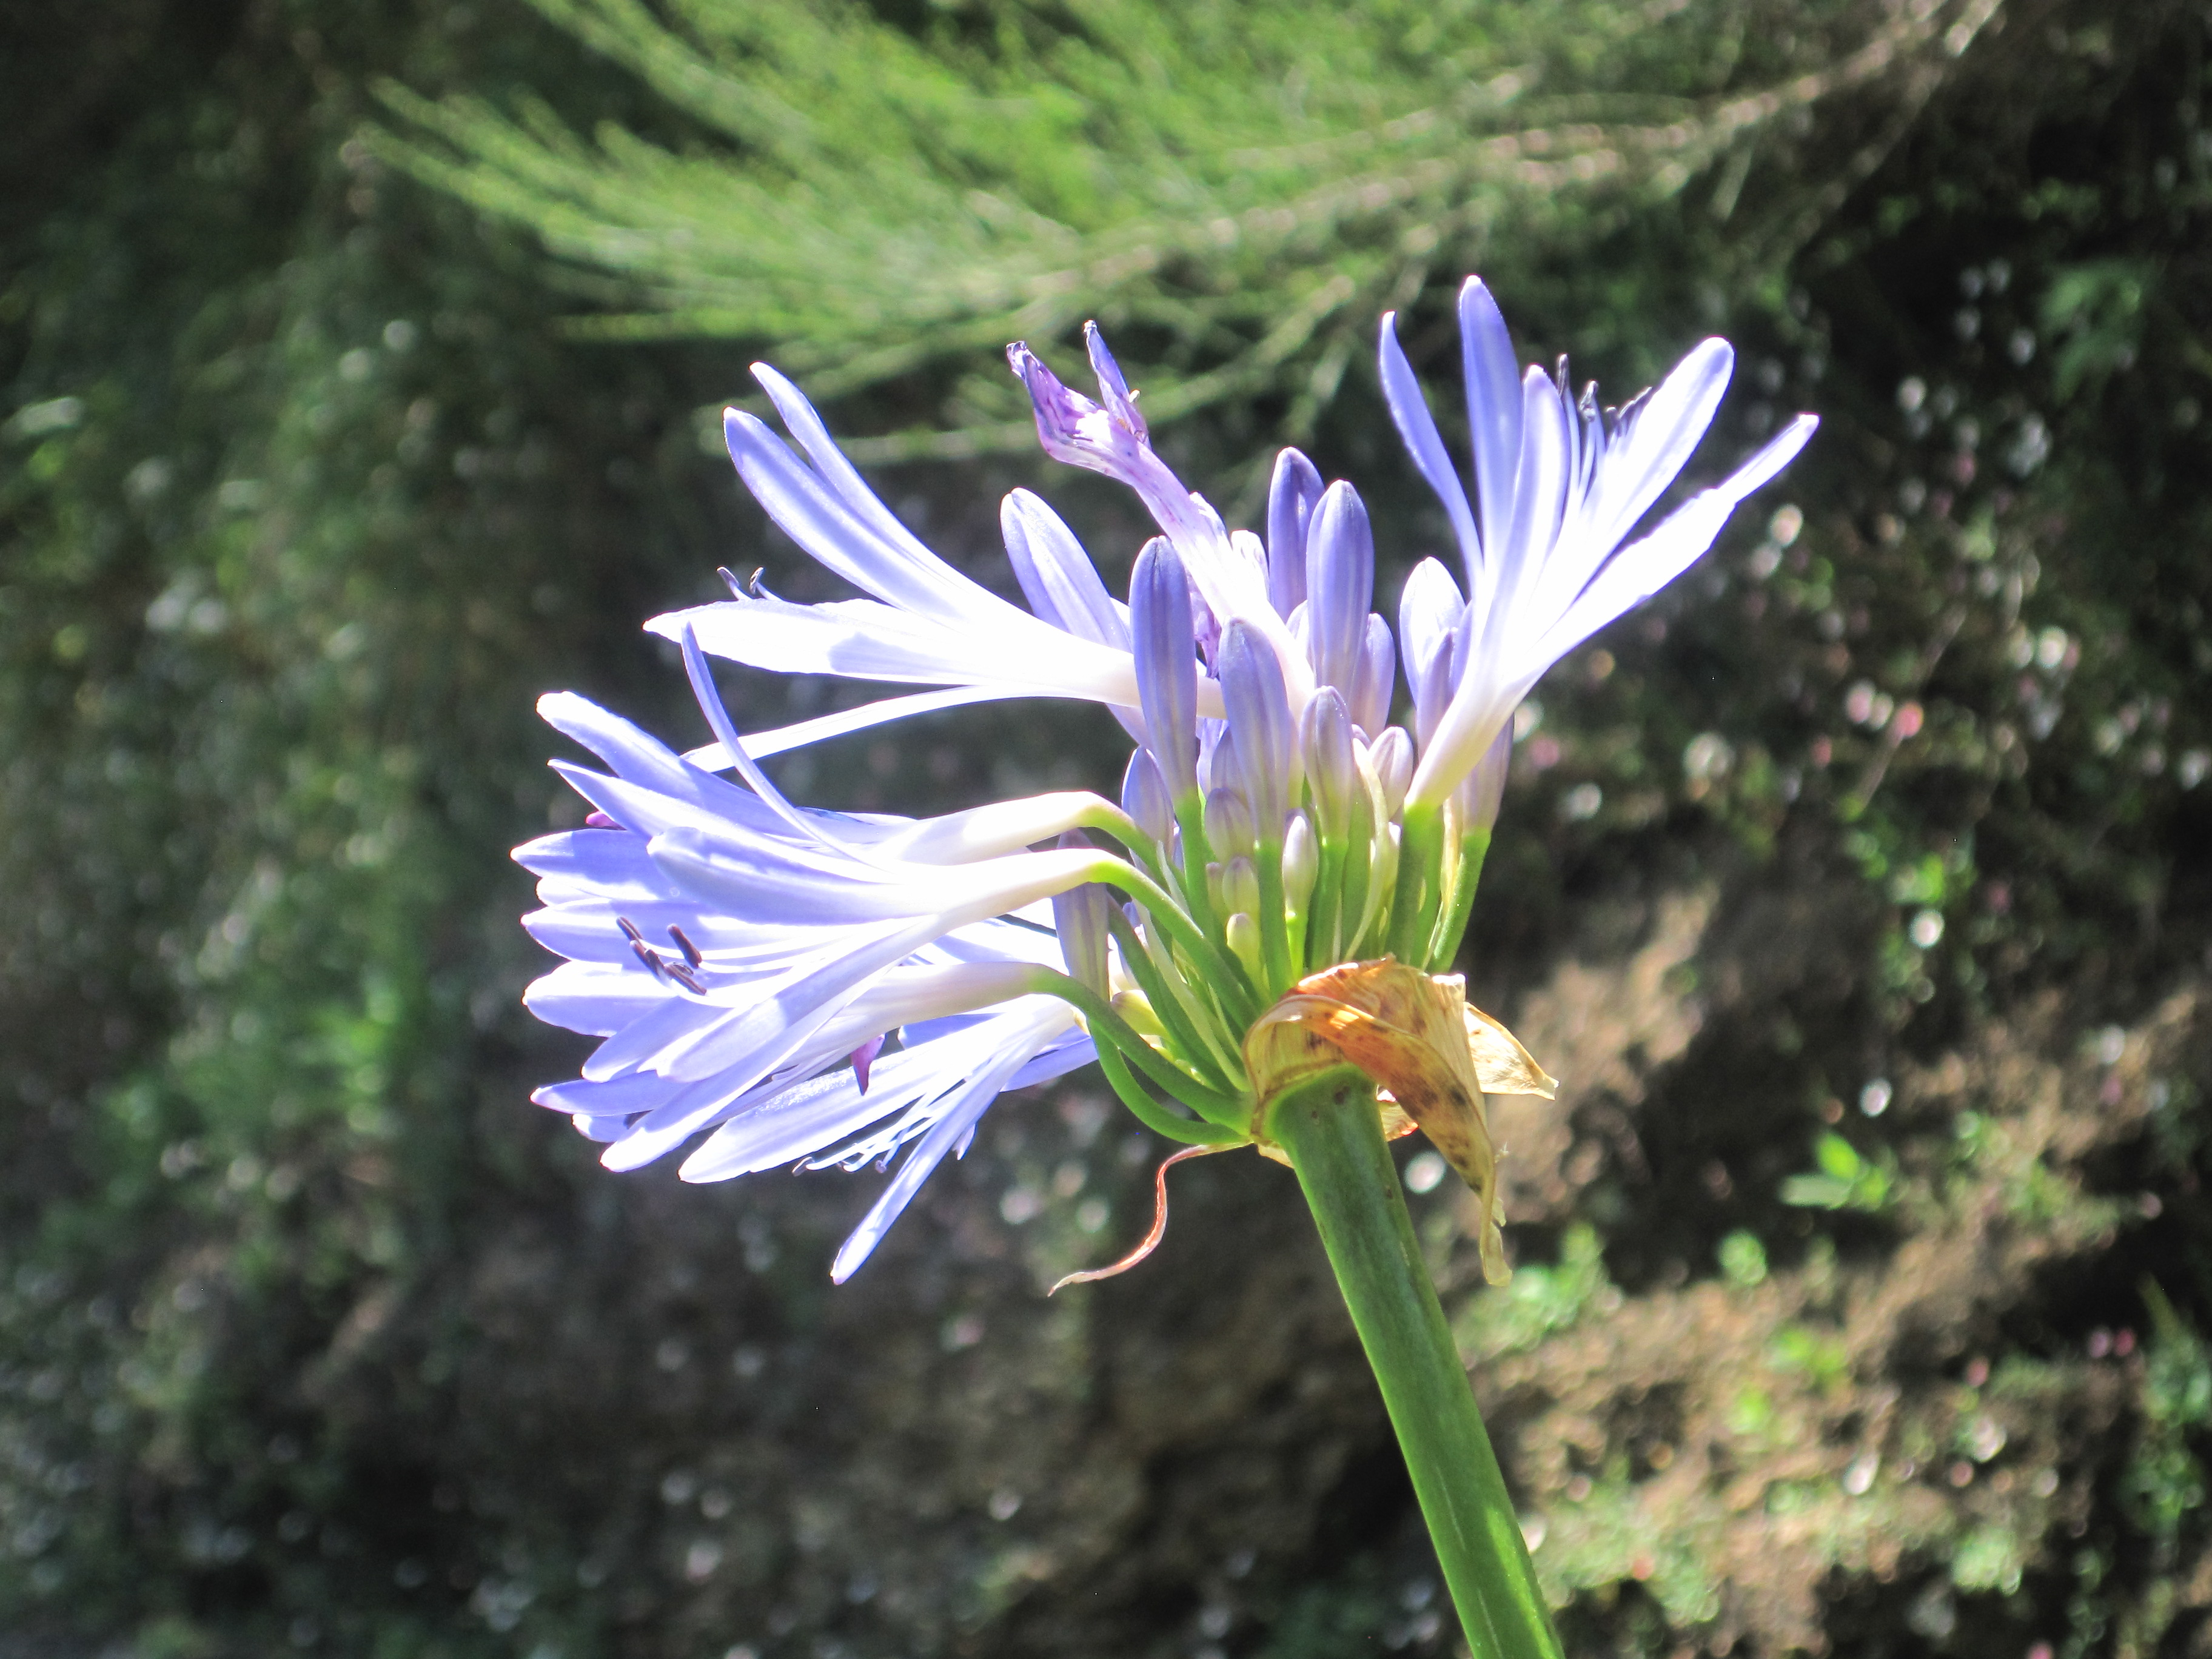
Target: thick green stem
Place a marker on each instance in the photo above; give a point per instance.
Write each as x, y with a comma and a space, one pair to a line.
1329, 1126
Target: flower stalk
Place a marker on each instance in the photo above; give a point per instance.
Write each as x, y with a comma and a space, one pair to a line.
1328, 1124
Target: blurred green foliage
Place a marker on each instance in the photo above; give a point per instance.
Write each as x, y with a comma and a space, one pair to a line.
314, 1336
1235, 191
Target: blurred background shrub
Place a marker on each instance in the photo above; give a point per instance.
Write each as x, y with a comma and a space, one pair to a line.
356, 364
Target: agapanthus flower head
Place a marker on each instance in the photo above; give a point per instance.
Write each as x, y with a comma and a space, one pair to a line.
778, 985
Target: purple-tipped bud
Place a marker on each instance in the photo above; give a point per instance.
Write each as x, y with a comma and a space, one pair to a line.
1391, 757
1228, 823
1301, 860
1167, 664
1145, 797
1325, 742
1339, 585
1292, 498
1078, 916
1377, 677
1260, 721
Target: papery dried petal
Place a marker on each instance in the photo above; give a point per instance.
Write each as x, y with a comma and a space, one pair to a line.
1414, 1035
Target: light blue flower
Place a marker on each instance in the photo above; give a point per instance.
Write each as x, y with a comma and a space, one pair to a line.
776, 986
1561, 484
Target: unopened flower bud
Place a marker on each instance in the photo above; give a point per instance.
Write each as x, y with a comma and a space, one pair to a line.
1325, 736
1136, 1007
1259, 711
1239, 886
1145, 797
1166, 662
1301, 861
1229, 824
1377, 677
1392, 759
1291, 498
1339, 585
1484, 791
1078, 916
1243, 934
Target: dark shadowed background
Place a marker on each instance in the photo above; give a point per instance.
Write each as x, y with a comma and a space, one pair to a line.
355, 360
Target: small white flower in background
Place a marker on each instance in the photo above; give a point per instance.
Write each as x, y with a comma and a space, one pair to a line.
778, 985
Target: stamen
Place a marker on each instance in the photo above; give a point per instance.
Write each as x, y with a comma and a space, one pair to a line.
730, 581
1159, 1230
600, 821
683, 944
659, 965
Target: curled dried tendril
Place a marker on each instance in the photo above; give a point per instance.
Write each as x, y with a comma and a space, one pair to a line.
1159, 1228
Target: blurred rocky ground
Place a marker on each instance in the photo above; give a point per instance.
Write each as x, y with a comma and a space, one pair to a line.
1856, 891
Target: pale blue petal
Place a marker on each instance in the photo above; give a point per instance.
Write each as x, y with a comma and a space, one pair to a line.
1493, 377
596, 999
859, 639
1057, 576
1409, 411
1644, 567
961, 1110
611, 861
713, 757
673, 1020
849, 539
1540, 489
622, 1097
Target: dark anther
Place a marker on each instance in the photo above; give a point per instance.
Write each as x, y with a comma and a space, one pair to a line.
683, 975
660, 966
683, 944
759, 592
